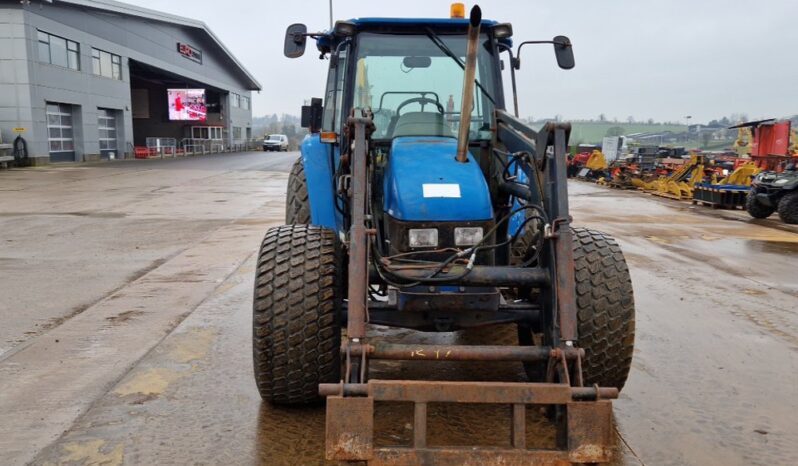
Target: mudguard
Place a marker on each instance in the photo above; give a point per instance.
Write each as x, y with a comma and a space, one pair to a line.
424, 182
319, 174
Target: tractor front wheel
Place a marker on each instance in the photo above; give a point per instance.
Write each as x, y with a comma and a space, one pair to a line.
755, 208
605, 312
605, 308
296, 328
788, 208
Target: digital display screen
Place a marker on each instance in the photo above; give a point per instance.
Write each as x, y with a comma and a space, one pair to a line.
187, 104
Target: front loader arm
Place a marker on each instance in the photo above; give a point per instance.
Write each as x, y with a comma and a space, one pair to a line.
547, 184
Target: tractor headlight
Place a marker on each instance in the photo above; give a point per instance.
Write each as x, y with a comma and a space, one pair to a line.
422, 237
467, 236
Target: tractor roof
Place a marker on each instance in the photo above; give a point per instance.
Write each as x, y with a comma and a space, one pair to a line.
326, 41
431, 22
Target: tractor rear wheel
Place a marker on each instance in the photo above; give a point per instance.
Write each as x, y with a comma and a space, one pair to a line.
296, 335
605, 308
755, 208
788, 208
297, 205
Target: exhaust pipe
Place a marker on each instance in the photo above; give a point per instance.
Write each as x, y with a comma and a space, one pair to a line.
469, 73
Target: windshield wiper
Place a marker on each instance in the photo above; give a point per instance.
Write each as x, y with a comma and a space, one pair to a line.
445, 49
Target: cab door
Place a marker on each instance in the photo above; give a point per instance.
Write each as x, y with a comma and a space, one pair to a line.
321, 157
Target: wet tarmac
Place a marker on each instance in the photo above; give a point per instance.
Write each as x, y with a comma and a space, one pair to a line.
713, 380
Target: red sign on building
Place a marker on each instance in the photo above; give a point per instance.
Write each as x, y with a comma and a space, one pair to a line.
189, 52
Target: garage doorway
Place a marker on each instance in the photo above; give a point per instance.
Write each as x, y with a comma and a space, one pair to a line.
60, 132
107, 129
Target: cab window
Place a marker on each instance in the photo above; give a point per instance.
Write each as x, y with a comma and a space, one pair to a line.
414, 88
333, 99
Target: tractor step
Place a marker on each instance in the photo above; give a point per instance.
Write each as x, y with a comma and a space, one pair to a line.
350, 422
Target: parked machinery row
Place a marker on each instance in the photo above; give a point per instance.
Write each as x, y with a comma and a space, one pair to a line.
763, 181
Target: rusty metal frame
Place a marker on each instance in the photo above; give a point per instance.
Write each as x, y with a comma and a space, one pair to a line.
358, 241
588, 430
425, 352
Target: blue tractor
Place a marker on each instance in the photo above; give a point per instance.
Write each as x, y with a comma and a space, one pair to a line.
420, 202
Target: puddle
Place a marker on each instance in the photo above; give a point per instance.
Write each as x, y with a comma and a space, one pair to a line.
772, 247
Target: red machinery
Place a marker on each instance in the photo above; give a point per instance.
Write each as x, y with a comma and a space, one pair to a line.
577, 162
771, 143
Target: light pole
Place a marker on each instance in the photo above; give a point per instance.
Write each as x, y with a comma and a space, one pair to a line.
331, 22
687, 139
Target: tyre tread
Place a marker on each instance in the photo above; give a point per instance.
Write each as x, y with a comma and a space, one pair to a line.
296, 328
755, 208
788, 208
605, 308
297, 205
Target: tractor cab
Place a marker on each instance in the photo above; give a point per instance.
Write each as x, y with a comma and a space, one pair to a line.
409, 74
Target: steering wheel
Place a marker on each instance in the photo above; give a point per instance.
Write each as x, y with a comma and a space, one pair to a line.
422, 101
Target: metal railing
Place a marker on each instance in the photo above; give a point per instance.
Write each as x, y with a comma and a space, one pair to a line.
192, 146
162, 147
170, 147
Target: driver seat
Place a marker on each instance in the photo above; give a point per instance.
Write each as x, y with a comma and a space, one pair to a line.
422, 124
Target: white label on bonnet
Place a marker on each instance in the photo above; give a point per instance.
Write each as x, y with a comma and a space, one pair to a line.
441, 190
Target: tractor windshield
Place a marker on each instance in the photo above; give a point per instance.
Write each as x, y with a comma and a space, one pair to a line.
414, 88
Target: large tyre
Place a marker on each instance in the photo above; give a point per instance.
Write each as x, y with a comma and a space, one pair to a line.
297, 205
605, 308
755, 208
296, 334
788, 208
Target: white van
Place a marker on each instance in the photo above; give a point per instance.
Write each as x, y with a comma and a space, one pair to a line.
278, 142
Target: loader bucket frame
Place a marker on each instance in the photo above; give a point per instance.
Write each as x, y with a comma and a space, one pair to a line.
585, 429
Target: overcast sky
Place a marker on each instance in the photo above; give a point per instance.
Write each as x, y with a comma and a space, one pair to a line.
648, 59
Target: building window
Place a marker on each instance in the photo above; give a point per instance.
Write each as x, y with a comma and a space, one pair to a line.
106, 64
245, 102
236, 100
116, 67
106, 127
59, 51
206, 132
236, 132
199, 132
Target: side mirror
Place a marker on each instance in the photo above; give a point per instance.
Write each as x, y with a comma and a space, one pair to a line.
564, 52
311, 115
295, 40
